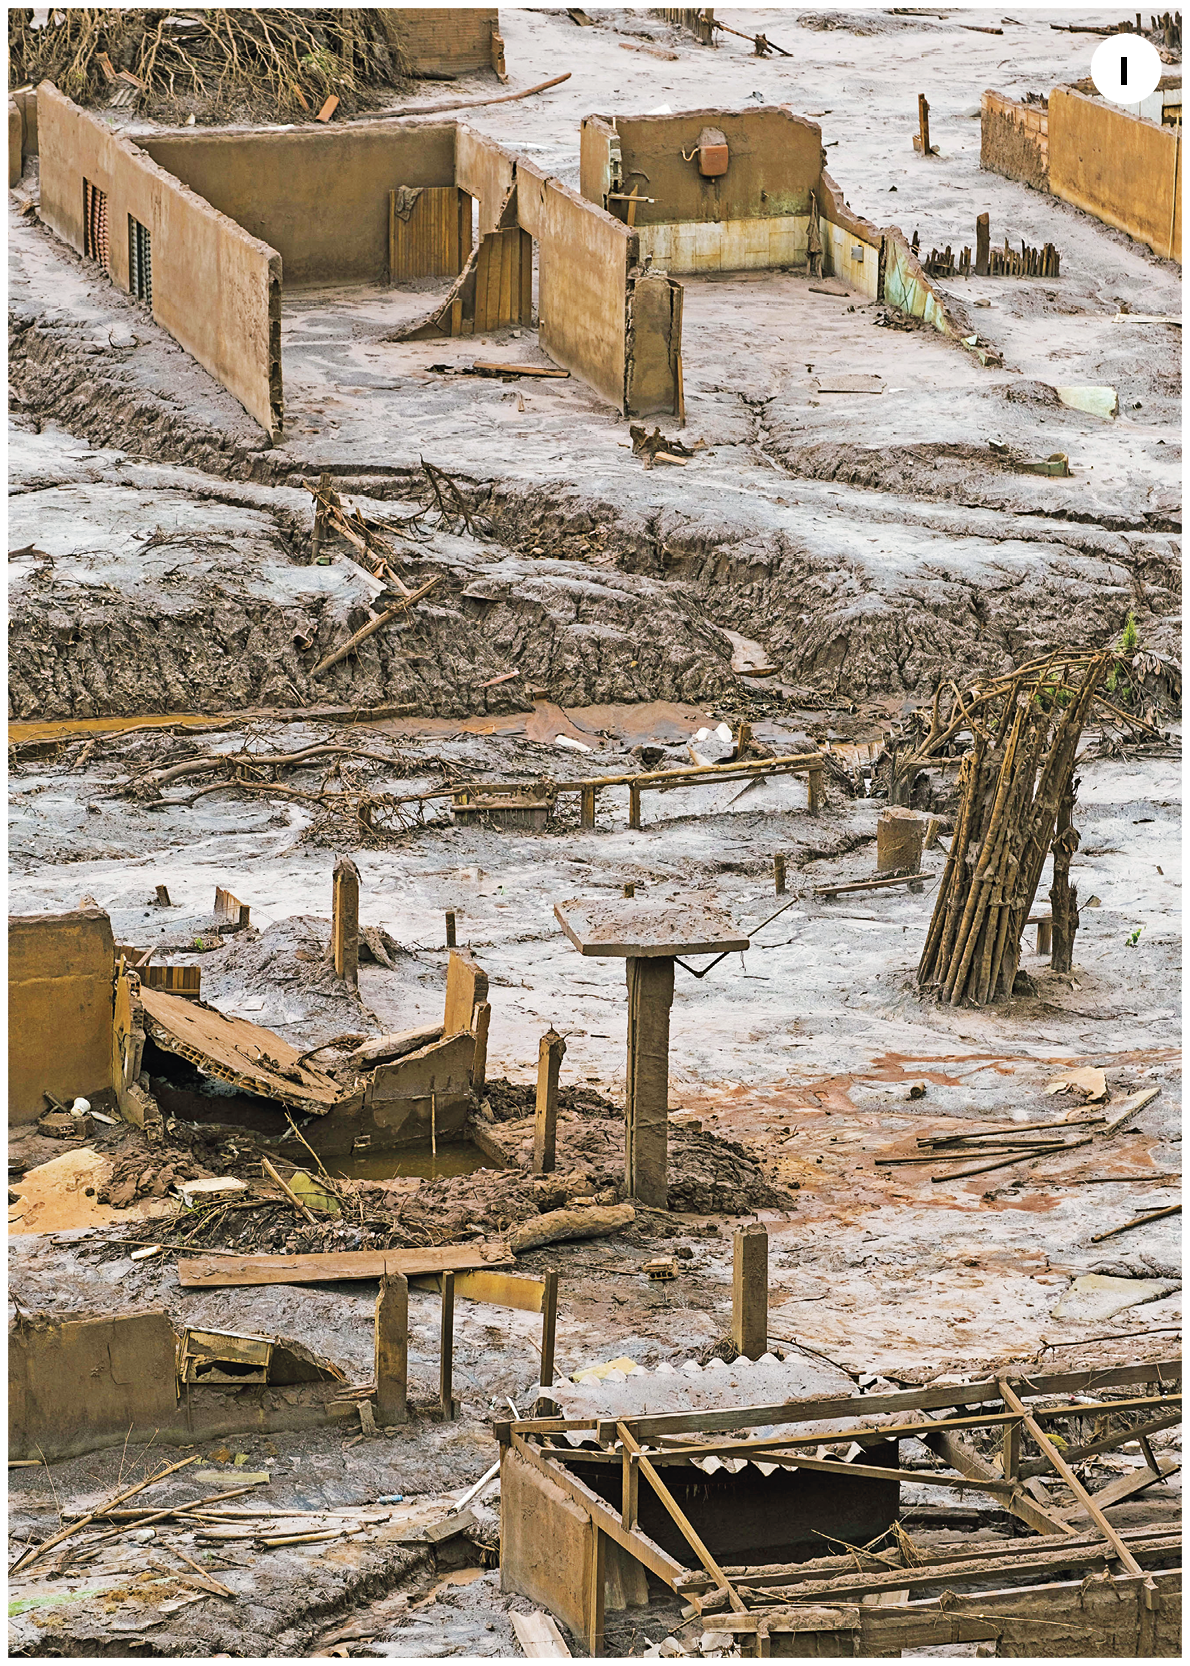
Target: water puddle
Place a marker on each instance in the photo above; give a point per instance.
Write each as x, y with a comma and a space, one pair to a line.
413, 1162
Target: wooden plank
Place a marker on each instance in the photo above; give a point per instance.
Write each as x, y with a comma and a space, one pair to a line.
917, 1578
539, 1637
446, 1365
936, 1396
210, 1272
549, 1329
954, 1450
1139, 1220
877, 1472
1127, 1486
498, 1289
926, 1426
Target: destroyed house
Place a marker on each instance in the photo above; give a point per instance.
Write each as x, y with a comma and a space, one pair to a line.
211, 229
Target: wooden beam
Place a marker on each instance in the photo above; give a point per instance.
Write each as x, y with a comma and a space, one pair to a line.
955, 1451
901, 1431
1062, 1468
447, 1356
675, 1511
549, 1329
937, 1396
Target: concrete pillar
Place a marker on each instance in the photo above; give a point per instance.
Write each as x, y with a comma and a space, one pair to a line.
650, 995
898, 841
550, 1053
345, 921
392, 1350
750, 1290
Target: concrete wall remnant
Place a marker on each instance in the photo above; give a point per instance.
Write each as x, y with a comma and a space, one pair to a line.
1121, 168
753, 214
1014, 139
61, 1009
547, 1544
78, 1385
216, 288
16, 138
74, 1384
318, 196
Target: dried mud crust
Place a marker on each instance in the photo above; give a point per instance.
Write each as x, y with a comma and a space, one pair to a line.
89, 649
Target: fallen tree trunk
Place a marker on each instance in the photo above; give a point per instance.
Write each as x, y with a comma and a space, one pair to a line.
560, 1224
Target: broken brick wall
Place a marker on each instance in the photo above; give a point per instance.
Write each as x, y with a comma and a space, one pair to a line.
1014, 140
446, 40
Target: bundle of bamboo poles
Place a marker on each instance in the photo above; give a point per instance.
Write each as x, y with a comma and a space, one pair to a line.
1015, 785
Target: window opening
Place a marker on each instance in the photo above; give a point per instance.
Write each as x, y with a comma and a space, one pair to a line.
95, 230
140, 261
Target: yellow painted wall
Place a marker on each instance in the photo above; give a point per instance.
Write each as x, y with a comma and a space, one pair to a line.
1123, 170
61, 1002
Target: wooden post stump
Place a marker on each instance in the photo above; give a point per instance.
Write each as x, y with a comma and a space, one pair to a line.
392, 1350
750, 1290
345, 921
550, 1053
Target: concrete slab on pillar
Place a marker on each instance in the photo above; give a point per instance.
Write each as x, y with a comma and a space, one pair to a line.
633, 928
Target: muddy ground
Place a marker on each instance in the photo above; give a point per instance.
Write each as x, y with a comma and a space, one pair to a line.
862, 546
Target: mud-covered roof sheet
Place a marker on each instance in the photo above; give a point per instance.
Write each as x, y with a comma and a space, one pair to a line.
640, 930
252, 1059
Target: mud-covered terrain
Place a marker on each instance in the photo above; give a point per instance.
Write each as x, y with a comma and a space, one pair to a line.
869, 542
590, 617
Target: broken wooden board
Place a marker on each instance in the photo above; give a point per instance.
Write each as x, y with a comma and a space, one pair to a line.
250, 1058
220, 1271
829, 286
628, 929
538, 1633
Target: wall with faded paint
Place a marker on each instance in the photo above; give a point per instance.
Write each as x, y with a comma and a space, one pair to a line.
753, 216
447, 40
851, 245
775, 160
319, 195
1125, 171
583, 259
1014, 140
61, 1003
216, 288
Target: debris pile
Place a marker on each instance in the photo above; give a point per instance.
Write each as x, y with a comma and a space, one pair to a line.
1017, 790
215, 64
